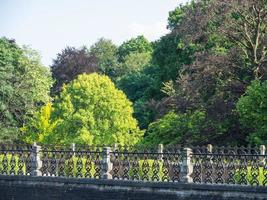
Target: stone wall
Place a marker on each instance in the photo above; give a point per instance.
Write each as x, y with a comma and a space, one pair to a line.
56, 188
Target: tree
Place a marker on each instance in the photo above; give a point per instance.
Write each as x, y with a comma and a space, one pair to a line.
90, 110
24, 84
246, 27
252, 109
69, 64
138, 87
40, 126
134, 63
135, 45
221, 61
177, 15
186, 128
169, 55
106, 56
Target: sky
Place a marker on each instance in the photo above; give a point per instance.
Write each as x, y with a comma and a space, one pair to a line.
48, 26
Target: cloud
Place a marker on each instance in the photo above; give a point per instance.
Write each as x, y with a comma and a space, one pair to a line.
150, 31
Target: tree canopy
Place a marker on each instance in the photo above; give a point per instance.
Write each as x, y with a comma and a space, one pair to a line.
252, 108
24, 85
90, 110
203, 82
69, 64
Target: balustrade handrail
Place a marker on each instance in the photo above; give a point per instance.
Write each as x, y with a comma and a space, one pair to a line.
228, 154
180, 164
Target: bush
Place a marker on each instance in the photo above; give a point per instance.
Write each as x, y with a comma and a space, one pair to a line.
252, 109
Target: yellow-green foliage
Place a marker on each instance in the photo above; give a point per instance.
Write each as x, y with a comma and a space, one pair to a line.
40, 125
89, 110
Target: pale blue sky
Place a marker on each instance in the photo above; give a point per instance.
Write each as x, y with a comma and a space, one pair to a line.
50, 25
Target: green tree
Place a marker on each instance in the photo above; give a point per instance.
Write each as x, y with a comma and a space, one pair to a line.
183, 128
90, 110
252, 108
106, 55
134, 63
135, 45
24, 84
169, 55
39, 126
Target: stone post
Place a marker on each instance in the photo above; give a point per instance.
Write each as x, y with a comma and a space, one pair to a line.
160, 151
209, 148
262, 149
72, 146
36, 162
263, 152
187, 166
106, 165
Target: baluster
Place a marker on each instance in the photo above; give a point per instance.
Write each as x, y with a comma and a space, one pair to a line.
135, 166
12, 163
197, 169
208, 169
255, 172
145, 168
176, 167
88, 165
125, 166
156, 167
97, 164
28, 163
45, 159
165, 167
53, 164
79, 165
116, 165
5, 164
243, 171
219, 169
21, 163
265, 174
230, 168
61, 164
71, 165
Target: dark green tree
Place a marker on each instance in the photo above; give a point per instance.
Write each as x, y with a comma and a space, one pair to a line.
24, 84
252, 109
106, 56
135, 45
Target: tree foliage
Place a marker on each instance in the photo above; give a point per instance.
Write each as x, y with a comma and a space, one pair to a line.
252, 108
220, 65
182, 128
135, 45
185, 87
69, 64
106, 56
24, 84
89, 110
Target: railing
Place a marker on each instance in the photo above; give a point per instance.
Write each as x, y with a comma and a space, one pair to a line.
217, 165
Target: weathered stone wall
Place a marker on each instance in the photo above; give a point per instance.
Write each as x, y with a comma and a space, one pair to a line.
54, 188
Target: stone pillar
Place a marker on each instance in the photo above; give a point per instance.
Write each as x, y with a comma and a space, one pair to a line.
160, 152
106, 165
209, 148
73, 148
263, 152
187, 166
262, 149
36, 162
